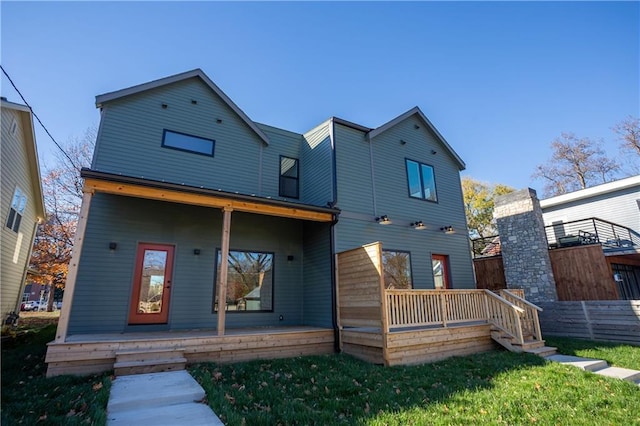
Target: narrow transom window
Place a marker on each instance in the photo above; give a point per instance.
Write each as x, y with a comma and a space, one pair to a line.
397, 269
189, 143
422, 182
18, 204
289, 177
249, 281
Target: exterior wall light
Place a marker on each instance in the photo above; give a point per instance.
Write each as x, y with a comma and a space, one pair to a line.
113, 245
196, 252
383, 220
448, 229
418, 225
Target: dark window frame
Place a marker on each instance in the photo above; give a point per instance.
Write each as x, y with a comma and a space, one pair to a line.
435, 185
273, 282
410, 264
15, 214
281, 187
164, 145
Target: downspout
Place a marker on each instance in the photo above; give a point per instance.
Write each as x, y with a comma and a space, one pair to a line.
332, 241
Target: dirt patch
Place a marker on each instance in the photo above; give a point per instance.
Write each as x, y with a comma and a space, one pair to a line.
37, 319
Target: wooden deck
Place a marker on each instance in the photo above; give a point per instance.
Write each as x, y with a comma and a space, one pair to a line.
96, 353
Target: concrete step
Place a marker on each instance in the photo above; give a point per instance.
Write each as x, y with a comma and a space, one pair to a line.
153, 390
543, 351
192, 414
145, 354
149, 366
620, 373
587, 364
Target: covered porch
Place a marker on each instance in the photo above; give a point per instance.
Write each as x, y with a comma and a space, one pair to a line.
110, 319
400, 327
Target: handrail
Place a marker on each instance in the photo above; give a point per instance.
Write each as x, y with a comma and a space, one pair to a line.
505, 301
521, 300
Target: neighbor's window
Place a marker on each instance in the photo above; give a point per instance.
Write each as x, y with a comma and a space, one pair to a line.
249, 281
288, 177
184, 142
422, 183
397, 269
18, 203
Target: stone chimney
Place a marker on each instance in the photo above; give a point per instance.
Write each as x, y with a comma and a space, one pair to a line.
525, 252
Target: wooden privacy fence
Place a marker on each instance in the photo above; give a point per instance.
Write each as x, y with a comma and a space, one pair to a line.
614, 321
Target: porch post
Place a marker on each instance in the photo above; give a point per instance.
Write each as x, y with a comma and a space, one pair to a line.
72, 272
224, 264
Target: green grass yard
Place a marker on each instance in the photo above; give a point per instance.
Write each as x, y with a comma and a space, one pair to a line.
493, 388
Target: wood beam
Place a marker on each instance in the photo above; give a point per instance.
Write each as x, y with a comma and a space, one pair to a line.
72, 273
140, 191
224, 265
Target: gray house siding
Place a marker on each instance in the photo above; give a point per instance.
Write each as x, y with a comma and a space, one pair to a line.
619, 207
281, 142
15, 246
372, 181
317, 275
103, 291
317, 166
132, 129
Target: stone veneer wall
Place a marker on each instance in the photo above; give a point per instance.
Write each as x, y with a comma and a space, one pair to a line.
525, 251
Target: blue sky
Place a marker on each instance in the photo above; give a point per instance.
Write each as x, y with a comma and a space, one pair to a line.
500, 80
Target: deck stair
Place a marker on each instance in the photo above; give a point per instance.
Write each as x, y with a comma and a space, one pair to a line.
530, 345
142, 361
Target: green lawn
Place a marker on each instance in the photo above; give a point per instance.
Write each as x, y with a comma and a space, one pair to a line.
617, 354
29, 398
493, 388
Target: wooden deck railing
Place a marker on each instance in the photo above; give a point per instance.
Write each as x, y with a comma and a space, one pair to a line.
530, 321
415, 308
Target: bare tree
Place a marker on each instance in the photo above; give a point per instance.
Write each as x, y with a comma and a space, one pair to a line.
576, 163
628, 131
62, 190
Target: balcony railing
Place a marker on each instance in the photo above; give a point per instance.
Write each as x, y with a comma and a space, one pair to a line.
591, 231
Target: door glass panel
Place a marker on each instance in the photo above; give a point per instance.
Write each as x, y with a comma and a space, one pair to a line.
152, 282
438, 273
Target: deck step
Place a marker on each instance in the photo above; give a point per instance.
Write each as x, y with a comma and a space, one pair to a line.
543, 351
149, 366
143, 361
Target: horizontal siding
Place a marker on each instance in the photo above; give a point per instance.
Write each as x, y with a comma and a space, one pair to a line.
104, 283
15, 172
281, 142
317, 275
317, 166
620, 207
131, 138
352, 233
353, 170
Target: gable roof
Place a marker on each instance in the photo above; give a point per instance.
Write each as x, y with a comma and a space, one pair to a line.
107, 97
605, 188
417, 112
31, 149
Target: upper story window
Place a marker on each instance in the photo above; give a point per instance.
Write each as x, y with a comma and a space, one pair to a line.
422, 182
188, 143
18, 203
289, 177
397, 269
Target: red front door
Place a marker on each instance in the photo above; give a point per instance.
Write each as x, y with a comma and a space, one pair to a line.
151, 284
440, 265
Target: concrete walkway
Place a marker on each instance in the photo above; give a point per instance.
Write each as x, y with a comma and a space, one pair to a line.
160, 399
598, 366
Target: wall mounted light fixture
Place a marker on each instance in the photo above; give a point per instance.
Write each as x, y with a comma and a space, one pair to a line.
196, 252
113, 245
448, 229
165, 106
418, 225
383, 220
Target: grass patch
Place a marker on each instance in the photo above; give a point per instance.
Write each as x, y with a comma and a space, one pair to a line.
617, 354
493, 388
28, 397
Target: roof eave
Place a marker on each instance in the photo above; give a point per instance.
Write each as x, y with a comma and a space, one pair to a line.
110, 96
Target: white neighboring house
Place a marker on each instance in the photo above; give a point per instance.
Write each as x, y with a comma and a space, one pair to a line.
608, 214
22, 204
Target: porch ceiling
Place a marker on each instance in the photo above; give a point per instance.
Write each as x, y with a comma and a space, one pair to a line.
150, 189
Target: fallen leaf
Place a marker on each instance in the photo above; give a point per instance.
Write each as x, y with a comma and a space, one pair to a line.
71, 413
229, 398
97, 386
